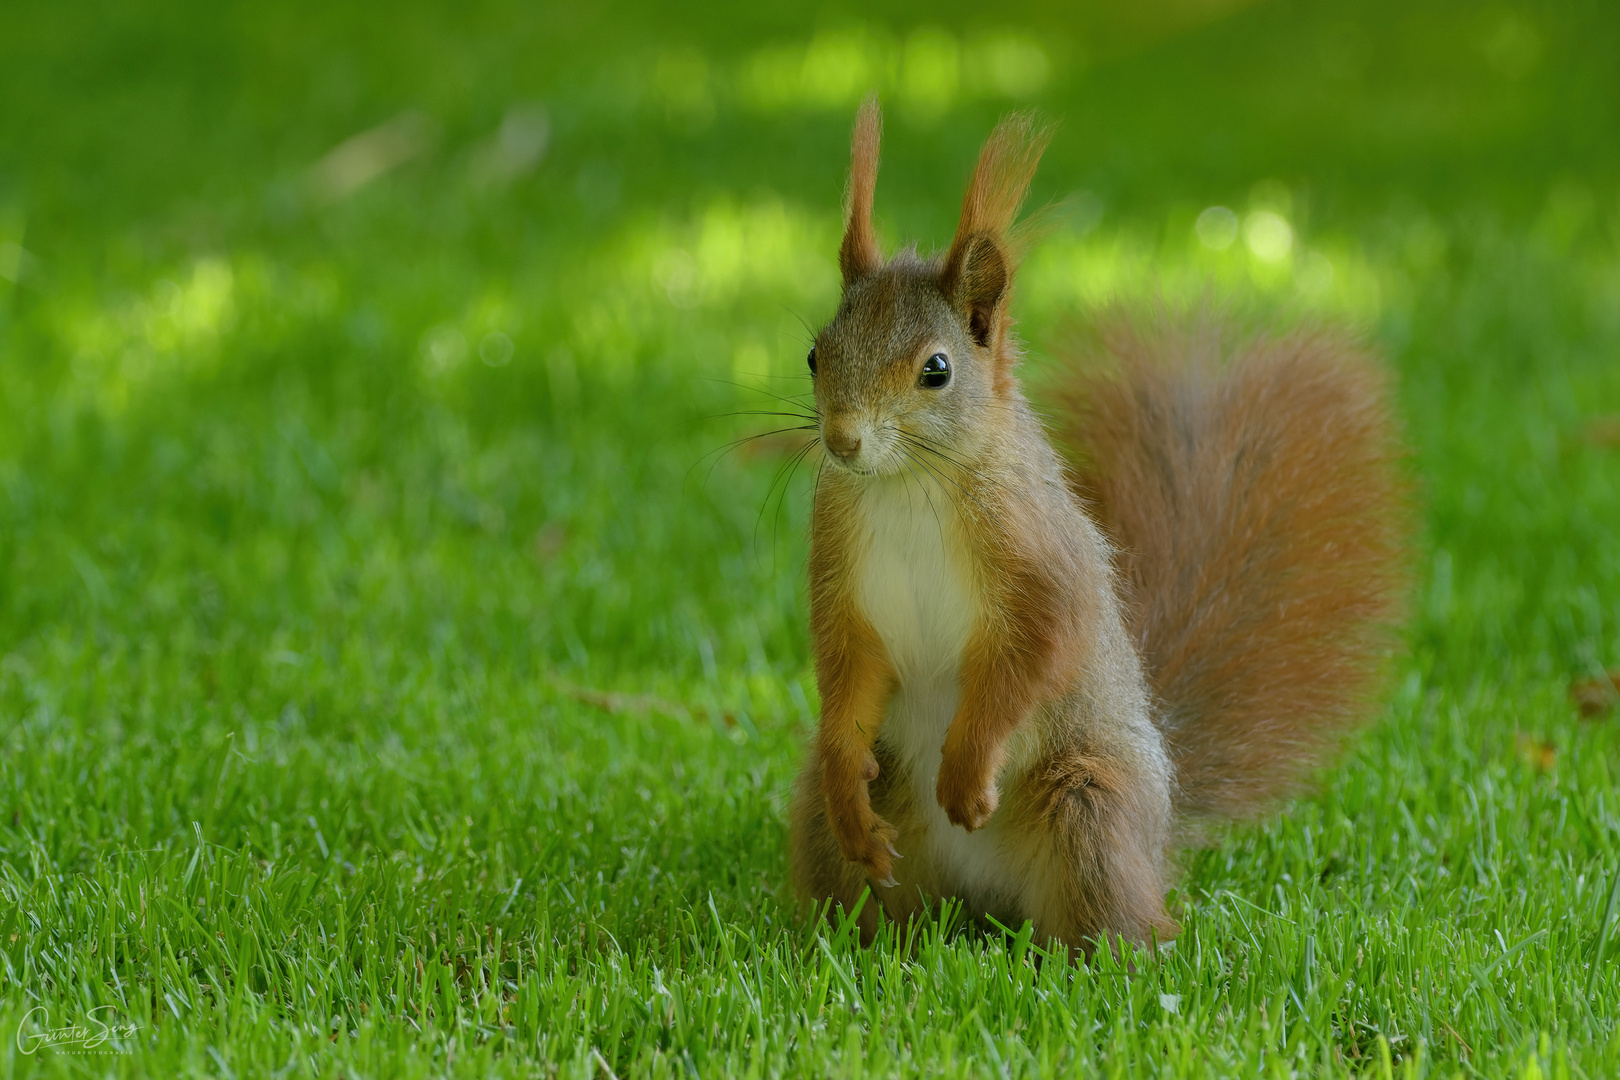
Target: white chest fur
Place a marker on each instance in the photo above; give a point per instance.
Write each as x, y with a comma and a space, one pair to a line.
916, 583
918, 590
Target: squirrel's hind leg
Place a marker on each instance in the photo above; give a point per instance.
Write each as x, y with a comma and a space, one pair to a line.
1096, 830
819, 870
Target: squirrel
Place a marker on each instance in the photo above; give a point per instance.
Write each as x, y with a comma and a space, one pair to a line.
1041, 676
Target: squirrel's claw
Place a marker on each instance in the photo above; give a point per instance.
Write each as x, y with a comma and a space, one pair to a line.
878, 865
866, 840
863, 837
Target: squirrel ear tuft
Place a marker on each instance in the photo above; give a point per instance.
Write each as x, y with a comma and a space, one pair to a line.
859, 255
1001, 178
976, 277
979, 267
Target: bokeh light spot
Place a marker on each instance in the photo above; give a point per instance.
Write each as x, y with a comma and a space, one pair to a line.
443, 348
496, 349
1217, 228
1015, 65
1269, 236
930, 72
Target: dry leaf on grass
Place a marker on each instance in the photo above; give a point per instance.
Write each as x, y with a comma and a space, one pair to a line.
548, 541
1594, 697
1535, 751
637, 704
1602, 432
614, 702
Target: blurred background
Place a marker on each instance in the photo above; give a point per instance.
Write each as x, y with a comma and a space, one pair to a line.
344, 349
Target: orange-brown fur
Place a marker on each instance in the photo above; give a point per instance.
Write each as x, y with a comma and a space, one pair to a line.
1253, 491
855, 680
992, 711
859, 254
1025, 652
1095, 877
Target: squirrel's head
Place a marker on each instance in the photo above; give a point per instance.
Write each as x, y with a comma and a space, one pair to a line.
918, 357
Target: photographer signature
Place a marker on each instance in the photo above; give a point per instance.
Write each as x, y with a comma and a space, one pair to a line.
93, 1035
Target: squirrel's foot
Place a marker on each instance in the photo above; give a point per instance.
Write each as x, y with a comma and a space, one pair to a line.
870, 844
863, 838
968, 795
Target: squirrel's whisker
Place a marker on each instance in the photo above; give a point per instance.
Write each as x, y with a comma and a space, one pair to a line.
783, 477
914, 460
720, 452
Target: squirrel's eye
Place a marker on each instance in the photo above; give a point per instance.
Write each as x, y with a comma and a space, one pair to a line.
936, 371
811, 359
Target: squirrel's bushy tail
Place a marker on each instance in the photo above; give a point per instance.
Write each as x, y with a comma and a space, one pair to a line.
1256, 498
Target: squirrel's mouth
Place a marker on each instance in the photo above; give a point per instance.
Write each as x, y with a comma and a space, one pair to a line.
871, 473
859, 446
884, 448
849, 467
863, 461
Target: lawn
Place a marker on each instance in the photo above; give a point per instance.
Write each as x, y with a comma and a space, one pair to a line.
398, 678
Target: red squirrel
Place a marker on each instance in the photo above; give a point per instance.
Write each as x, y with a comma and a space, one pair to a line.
1040, 674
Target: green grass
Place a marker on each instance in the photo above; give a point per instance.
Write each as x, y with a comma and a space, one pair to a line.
368, 708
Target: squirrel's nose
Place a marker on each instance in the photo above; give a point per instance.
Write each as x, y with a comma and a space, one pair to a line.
843, 443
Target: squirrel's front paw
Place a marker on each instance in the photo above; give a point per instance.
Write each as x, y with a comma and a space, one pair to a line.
967, 794
863, 837
868, 841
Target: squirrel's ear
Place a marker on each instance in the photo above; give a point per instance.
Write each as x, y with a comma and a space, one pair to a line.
859, 254
976, 277
979, 267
